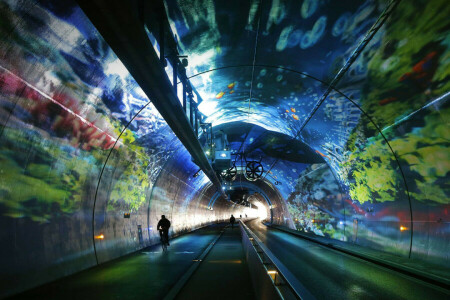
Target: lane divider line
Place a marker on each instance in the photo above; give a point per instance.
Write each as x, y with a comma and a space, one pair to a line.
188, 274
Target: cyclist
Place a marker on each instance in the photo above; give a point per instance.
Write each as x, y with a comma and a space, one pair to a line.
232, 220
163, 227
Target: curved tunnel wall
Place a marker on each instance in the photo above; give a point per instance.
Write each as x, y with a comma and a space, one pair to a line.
382, 130
65, 99
175, 193
385, 189
80, 145
269, 195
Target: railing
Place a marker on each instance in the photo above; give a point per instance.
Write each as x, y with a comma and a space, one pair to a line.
271, 279
128, 38
157, 27
165, 44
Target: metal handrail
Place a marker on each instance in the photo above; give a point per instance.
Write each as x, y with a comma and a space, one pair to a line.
128, 39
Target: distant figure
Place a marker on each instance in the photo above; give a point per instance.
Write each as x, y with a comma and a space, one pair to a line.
163, 227
232, 220
246, 215
240, 216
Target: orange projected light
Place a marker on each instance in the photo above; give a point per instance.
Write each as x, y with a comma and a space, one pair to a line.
403, 228
100, 237
220, 95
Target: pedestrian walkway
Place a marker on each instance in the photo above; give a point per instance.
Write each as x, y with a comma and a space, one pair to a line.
146, 274
223, 274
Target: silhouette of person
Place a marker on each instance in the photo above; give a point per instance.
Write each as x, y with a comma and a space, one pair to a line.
163, 227
232, 220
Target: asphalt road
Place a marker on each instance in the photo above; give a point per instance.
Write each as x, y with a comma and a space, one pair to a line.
329, 274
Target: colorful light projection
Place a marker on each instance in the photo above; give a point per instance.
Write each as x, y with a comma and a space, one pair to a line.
382, 133
65, 99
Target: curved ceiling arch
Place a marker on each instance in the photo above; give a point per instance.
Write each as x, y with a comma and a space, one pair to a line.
338, 91
251, 186
342, 94
300, 73
388, 79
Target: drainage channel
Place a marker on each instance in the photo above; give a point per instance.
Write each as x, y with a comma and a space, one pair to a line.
270, 278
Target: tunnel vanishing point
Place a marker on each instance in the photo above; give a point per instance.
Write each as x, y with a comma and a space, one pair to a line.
322, 126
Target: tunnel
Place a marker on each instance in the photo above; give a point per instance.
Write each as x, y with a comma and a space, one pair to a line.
321, 126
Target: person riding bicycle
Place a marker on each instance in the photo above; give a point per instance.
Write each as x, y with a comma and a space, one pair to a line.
163, 227
232, 220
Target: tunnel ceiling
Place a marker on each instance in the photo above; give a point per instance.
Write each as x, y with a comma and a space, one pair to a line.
81, 143
258, 142
268, 63
262, 62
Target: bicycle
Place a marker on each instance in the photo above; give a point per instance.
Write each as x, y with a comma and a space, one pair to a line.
164, 241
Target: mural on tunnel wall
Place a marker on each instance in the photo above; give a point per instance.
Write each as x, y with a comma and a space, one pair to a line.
400, 81
64, 100
66, 95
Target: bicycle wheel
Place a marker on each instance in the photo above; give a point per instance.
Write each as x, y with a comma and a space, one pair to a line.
163, 243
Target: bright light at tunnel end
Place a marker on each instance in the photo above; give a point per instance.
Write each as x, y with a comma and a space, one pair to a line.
261, 210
